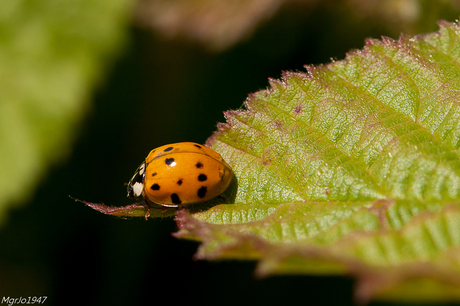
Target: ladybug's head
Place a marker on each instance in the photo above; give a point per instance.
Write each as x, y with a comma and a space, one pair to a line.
136, 184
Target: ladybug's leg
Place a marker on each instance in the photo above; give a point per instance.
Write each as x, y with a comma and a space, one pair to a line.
146, 204
147, 214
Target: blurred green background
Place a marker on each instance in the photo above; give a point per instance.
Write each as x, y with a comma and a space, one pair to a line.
88, 88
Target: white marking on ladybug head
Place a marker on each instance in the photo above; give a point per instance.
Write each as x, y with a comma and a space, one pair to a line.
141, 170
136, 184
137, 189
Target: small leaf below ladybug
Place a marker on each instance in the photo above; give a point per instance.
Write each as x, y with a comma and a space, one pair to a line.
133, 210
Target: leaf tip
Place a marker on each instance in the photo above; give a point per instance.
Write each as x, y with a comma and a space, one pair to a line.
185, 223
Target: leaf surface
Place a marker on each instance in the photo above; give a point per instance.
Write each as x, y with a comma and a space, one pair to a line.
352, 167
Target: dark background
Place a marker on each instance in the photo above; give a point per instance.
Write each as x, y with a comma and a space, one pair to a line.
158, 92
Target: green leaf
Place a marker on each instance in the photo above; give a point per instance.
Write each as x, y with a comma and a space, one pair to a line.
350, 168
52, 54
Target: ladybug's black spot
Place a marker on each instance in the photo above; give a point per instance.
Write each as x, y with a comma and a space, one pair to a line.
155, 187
199, 147
168, 149
153, 174
199, 165
175, 199
169, 161
179, 182
202, 177
202, 191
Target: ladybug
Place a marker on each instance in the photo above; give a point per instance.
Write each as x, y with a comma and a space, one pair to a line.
180, 174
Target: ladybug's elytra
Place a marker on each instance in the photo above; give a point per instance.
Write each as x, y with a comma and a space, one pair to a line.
179, 174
